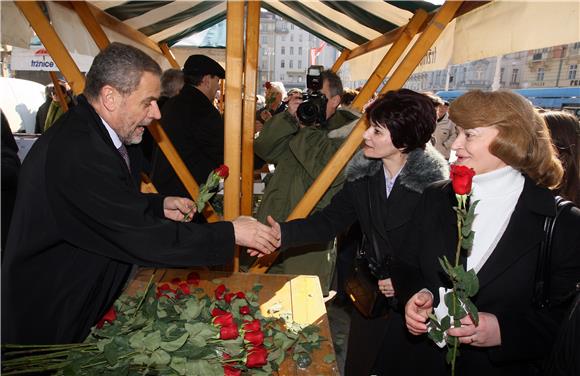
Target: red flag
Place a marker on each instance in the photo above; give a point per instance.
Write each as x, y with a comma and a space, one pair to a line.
314, 52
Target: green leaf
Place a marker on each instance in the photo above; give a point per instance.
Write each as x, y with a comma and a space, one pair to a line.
102, 343
449, 355
436, 335
176, 344
152, 341
136, 341
112, 353
445, 323
472, 310
467, 242
202, 367
140, 359
160, 357
257, 287
178, 364
192, 310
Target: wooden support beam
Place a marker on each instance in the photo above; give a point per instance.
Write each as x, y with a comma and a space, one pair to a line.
249, 114
341, 59
435, 27
351, 144
179, 167
53, 44
393, 35
233, 111
91, 23
169, 55
388, 62
58, 90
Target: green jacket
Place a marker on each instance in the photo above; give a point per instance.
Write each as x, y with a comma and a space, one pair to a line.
299, 154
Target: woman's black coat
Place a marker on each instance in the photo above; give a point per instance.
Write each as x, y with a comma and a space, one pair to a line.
506, 279
363, 198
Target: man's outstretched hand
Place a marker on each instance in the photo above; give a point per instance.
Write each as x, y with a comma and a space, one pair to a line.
258, 238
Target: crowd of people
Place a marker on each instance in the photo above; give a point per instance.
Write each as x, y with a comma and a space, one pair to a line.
80, 185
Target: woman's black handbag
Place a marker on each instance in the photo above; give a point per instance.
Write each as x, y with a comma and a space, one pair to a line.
361, 286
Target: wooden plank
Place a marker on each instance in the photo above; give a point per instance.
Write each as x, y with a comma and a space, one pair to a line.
58, 90
393, 35
233, 106
350, 145
179, 167
147, 185
53, 44
299, 296
428, 37
169, 55
341, 59
93, 27
249, 114
389, 60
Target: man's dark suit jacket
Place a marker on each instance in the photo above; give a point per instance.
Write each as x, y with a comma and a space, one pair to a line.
79, 225
506, 280
196, 129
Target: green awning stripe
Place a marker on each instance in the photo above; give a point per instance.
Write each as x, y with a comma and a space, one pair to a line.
412, 6
196, 29
133, 9
296, 22
178, 18
325, 22
361, 16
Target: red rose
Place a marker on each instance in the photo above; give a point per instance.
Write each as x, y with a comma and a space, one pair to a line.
184, 287
241, 295
257, 357
217, 312
219, 292
229, 296
245, 310
222, 171
255, 338
224, 320
176, 280
109, 317
461, 177
251, 326
193, 278
165, 287
268, 85
229, 331
231, 371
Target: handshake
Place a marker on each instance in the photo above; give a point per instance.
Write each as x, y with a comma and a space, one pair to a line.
260, 239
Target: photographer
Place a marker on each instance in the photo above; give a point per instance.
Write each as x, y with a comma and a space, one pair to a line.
301, 149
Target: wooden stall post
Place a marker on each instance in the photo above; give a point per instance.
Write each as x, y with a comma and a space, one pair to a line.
350, 145
233, 111
58, 90
91, 23
341, 59
53, 44
169, 55
249, 114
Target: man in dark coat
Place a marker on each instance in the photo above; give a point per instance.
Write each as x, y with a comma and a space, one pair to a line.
80, 222
194, 126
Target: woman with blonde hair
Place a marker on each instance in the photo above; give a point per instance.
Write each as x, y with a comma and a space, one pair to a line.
506, 142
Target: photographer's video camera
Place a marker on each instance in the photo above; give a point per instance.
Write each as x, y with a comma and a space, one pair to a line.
312, 110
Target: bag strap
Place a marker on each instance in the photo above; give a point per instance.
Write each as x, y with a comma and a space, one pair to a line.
542, 278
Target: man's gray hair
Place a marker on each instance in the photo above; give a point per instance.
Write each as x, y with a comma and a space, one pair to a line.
120, 66
334, 82
171, 82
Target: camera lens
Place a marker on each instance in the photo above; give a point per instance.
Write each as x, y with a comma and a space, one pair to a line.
308, 113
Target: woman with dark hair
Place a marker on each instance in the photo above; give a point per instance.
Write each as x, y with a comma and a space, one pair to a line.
384, 183
508, 146
565, 131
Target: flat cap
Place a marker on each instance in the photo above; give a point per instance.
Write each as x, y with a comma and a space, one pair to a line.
200, 65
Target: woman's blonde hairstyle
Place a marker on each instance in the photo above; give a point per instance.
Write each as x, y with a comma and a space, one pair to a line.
523, 141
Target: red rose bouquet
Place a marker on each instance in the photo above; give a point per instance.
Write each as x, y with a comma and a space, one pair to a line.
455, 303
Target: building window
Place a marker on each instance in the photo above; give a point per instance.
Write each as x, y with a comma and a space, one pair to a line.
291, 65
300, 49
300, 38
281, 77
540, 74
515, 76
572, 71
299, 64
576, 46
501, 71
291, 37
282, 63
291, 50
291, 26
283, 50
283, 38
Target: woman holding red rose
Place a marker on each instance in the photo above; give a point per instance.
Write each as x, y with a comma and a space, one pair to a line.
507, 144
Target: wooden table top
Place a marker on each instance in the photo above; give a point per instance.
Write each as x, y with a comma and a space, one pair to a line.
299, 295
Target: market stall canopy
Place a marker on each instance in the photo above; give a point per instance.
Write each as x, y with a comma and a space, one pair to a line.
496, 28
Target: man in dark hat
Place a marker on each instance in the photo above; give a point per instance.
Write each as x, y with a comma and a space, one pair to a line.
194, 126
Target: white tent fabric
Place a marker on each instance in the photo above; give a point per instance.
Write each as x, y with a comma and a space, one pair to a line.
498, 28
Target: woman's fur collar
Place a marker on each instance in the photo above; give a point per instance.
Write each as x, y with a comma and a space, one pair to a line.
423, 167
